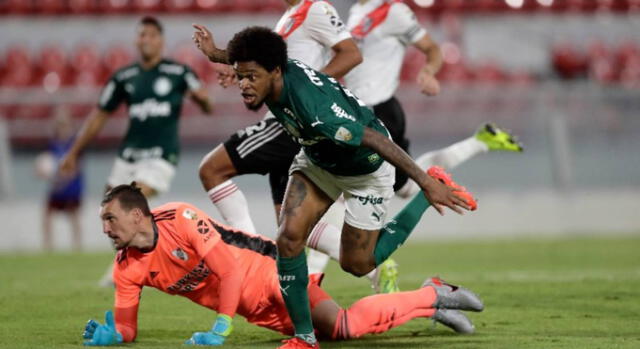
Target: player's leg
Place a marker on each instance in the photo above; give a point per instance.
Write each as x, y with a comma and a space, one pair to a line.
303, 206
382, 312
47, 227
488, 137
76, 231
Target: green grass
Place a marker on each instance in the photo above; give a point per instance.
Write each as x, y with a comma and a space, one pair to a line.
579, 293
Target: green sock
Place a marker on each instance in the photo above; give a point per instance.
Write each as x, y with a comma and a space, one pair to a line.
394, 233
293, 276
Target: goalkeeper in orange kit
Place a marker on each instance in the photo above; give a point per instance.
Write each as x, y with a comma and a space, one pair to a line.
180, 250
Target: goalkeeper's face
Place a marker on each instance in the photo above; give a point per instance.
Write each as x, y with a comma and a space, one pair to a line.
120, 225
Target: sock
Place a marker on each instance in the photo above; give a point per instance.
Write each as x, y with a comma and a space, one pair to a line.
232, 204
382, 312
448, 158
316, 261
292, 273
394, 233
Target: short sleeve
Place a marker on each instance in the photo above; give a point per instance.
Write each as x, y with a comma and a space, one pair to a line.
337, 124
324, 24
112, 95
127, 291
402, 23
195, 226
191, 79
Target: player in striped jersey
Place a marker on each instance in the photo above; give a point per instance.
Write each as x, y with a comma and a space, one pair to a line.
179, 250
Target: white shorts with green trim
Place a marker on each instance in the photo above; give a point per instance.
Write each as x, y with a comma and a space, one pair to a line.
155, 173
366, 196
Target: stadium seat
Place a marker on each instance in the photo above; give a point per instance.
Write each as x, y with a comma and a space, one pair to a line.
145, 6
568, 61
53, 59
179, 6
213, 6
50, 7
82, 6
116, 57
87, 66
185, 53
490, 73
19, 70
19, 6
114, 6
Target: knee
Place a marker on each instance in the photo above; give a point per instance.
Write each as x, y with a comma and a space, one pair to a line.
289, 243
212, 173
356, 267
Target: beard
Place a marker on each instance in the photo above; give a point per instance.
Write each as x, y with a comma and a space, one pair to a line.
255, 107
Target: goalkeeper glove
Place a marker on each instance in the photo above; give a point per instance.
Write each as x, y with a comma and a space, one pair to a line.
100, 335
219, 332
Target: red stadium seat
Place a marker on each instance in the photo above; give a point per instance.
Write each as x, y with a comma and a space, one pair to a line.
82, 6
117, 57
490, 72
114, 6
19, 69
187, 54
19, 6
213, 6
568, 61
174, 6
145, 6
49, 7
54, 60
87, 66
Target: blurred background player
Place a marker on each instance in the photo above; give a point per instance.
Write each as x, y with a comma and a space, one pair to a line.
180, 250
65, 190
153, 89
384, 30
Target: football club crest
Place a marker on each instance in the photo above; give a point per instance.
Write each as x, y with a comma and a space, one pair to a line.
343, 134
162, 86
180, 254
189, 214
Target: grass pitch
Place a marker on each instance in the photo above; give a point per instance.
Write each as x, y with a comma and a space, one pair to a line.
579, 293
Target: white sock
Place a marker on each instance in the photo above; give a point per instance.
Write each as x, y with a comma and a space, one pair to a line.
232, 205
448, 158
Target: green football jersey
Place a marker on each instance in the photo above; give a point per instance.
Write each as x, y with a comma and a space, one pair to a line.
154, 99
327, 120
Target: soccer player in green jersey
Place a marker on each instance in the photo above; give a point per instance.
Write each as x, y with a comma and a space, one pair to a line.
153, 89
345, 150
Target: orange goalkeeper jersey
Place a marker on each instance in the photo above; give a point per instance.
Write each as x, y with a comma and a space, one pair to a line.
176, 265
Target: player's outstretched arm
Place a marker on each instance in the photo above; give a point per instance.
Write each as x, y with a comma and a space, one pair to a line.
203, 39
426, 78
90, 128
437, 193
201, 98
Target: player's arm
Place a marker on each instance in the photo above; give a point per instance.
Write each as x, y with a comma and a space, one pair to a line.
225, 267
221, 261
203, 39
426, 79
325, 26
201, 98
403, 24
437, 193
90, 128
346, 56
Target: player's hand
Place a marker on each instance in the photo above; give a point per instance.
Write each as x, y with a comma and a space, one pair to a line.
226, 75
221, 329
440, 195
68, 165
428, 83
102, 335
204, 40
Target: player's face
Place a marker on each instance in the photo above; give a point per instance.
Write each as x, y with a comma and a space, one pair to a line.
149, 41
255, 82
118, 224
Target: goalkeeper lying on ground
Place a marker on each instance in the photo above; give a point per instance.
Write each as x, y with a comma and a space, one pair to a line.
179, 250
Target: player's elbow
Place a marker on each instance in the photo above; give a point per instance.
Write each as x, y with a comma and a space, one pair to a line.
356, 58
